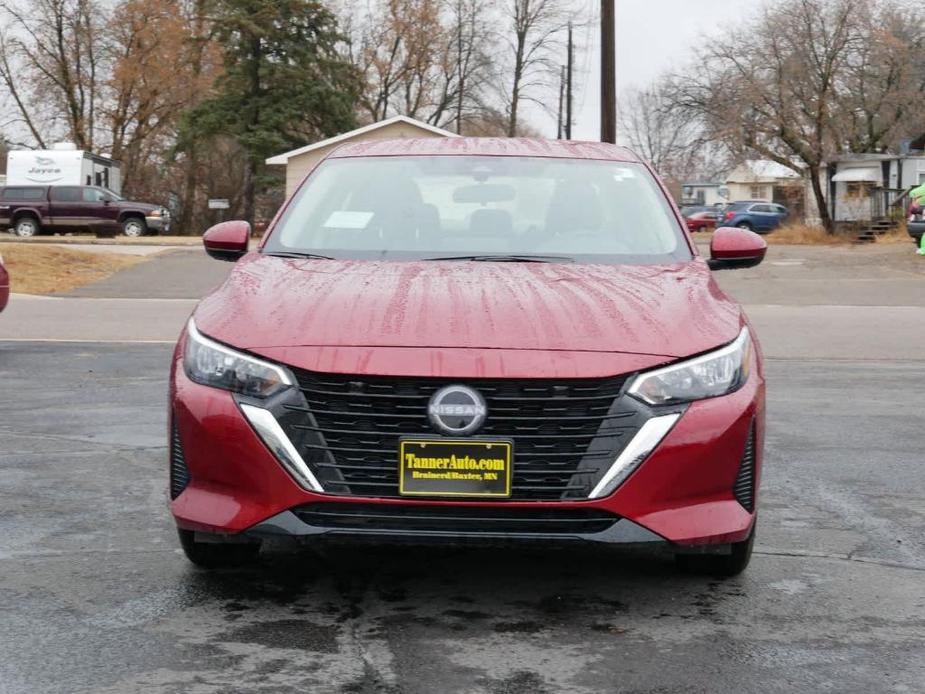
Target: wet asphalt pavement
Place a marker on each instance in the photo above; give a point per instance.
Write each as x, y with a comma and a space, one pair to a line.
95, 596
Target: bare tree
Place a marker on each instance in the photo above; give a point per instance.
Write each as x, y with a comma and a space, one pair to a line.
535, 45
469, 48
10, 73
808, 79
664, 135
156, 73
425, 59
61, 50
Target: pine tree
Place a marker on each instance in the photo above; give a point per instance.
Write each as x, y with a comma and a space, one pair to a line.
284, 84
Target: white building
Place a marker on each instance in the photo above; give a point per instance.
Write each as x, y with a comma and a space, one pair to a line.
703, 193
299, 162
761, 179
863, 187
62, 165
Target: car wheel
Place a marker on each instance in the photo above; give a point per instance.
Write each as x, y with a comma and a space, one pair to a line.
721, 565
744, 225
701, 229
26, 227
134, 227
215, 555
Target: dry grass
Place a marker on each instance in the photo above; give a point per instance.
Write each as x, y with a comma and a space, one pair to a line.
92, 239
808, 235
45, 269
898, 235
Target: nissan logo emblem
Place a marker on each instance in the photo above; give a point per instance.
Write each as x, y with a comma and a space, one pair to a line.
457, 410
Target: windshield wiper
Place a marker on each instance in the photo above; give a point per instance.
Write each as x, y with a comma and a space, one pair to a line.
510, 258
288, 254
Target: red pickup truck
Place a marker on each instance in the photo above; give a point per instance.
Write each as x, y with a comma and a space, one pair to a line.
31, 210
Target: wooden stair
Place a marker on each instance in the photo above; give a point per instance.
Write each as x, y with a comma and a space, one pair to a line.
874, 229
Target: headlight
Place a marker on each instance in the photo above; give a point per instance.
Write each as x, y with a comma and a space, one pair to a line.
155, 213
717, 373
211, 364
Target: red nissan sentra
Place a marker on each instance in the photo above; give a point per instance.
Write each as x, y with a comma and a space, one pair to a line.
4, 285
471, 340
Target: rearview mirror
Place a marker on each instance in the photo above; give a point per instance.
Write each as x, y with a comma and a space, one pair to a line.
484, 193
227, 241
733, 249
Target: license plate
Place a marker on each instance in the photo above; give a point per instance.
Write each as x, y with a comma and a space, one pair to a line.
455, 468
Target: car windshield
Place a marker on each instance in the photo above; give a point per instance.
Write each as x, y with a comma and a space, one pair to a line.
481, 208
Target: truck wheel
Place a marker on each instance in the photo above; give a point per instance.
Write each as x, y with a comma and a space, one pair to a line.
26, 227
134, 227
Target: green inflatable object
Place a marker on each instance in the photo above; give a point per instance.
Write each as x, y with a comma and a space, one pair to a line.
921, 250
917, 194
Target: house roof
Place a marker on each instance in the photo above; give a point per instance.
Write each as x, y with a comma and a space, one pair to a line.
486, 146
866, 156
854, 174
760, 170
283, 159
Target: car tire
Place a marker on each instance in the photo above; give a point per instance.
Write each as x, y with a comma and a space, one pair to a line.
26, 227
744, 225
133, 227
701, 229
719, 565
216, 555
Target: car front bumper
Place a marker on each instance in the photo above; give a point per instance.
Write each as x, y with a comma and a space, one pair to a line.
681, 495
159, 224
916, 230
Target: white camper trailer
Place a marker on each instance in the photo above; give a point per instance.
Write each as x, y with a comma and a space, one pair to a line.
63, 165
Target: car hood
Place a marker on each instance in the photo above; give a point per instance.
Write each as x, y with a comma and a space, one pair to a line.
144, 206
669, 310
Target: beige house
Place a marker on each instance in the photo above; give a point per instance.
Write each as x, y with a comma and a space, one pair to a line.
760, 179
300, 161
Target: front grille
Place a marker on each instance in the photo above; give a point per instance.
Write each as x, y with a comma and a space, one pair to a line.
565, 432
455, 519
744, 487
179, 473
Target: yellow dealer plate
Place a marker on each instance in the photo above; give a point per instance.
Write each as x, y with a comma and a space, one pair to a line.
455, 467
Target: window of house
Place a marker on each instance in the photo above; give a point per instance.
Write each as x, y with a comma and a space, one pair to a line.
757, 192
859, 189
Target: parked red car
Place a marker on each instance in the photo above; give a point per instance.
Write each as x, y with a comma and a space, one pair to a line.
4, 285
699, 218
471, 339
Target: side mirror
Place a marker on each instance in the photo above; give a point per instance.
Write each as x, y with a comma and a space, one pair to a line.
734, 249
227, 241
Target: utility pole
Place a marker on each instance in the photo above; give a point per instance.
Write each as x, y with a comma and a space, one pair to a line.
568, 99
459, 66
561, 131
608, 73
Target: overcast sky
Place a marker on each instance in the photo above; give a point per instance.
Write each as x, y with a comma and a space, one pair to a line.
652, 36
